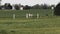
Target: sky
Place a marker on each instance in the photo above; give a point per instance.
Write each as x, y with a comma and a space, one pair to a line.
31, 2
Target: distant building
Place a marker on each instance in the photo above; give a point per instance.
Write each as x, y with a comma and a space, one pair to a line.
13, 8
21, 8
52, 8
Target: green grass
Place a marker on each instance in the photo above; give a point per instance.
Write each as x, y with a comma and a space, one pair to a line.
21, 14
44, 25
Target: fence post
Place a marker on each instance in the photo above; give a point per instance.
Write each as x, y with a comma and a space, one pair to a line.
27, 16
37, 15
14, 16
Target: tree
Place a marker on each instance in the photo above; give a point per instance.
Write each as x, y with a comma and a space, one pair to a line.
37, 6
7, 6
45, 6
57, 10
17, 7
42, 6
27, 7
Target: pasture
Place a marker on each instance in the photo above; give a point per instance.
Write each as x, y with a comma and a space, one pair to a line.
22, 13
46, 24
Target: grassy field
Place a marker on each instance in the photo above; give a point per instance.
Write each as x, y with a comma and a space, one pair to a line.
44, 25
21, 14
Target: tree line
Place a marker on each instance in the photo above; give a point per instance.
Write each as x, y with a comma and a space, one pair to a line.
37, 6
17, 6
